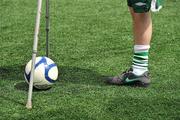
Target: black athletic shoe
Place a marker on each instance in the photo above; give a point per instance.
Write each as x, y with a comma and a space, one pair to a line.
128, 78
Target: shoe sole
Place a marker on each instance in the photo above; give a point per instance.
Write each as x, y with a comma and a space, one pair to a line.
133, 84
137, 84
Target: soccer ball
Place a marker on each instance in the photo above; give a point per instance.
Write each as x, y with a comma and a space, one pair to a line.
45, 73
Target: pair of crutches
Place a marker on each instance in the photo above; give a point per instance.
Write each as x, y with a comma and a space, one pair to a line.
35, 45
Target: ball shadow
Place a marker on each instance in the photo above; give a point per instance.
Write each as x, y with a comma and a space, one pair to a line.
23, 86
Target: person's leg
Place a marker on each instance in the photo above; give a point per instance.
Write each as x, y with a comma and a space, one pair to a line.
142, 32
142, 27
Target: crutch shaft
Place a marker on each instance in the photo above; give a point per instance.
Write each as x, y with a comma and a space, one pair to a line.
47, 28
35, 44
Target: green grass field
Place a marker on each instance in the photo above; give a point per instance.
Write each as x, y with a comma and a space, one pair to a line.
89, 39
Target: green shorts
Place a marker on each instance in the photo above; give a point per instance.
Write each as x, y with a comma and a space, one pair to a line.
140, 6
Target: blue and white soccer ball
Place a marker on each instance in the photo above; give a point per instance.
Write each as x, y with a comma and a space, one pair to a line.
45, 74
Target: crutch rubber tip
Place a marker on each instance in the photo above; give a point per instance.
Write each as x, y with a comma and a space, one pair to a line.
29, 105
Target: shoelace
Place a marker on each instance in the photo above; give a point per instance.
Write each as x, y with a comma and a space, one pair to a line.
124, 74
127, 71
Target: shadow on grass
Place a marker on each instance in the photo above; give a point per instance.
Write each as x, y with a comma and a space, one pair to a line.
67, 74
73, 75
14, 72
77, 75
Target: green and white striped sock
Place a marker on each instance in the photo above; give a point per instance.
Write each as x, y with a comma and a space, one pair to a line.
140, 59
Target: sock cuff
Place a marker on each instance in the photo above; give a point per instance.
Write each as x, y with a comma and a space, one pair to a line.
139, 48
